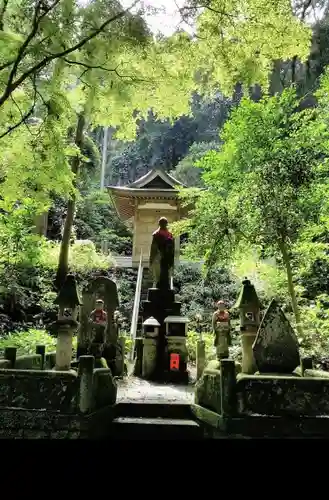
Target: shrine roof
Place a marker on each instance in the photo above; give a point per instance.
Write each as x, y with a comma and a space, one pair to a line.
156, 184
156, 179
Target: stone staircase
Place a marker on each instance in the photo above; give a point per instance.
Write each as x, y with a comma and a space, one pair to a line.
154, 420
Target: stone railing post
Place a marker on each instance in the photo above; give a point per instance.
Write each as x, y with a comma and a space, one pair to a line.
41, 349
139, 356
10, 354
306, 364
86, 375
121, 358
200, 358
228, 388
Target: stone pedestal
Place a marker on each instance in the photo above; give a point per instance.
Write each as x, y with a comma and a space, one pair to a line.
160, 305
64, 348
149, 358
176, 372
248, 360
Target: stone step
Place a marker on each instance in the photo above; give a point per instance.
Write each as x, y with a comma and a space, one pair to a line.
155, 428
153, 410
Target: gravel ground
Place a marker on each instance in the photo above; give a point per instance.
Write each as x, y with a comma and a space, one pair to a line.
135, 389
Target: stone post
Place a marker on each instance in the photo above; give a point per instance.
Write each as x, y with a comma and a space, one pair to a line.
64, 348
84, 332
200, 358
10, 354
41, 349
121, 356
306, 364
248, 360
228, 388
86, 375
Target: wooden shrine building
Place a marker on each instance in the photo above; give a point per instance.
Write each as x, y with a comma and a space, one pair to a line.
141, 204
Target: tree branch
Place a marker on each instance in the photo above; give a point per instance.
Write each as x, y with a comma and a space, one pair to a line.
31, 35
206, 5
25, 116
110, 70
3, 12
23, 119
12, 85
7, 64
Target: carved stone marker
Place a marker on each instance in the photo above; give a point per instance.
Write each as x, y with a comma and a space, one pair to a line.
106, 289
276, 347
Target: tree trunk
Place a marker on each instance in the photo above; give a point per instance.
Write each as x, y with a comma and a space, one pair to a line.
63, 261
291, 288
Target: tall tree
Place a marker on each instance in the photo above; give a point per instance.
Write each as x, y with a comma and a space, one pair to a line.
103, 68
265, 185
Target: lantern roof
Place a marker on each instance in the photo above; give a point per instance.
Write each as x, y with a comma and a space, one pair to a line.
68, 295
151, 322
176, 319
247, 295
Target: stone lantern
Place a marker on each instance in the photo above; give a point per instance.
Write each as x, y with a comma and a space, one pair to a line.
68, 301
176, 353
176, 326
249, 307
151, 328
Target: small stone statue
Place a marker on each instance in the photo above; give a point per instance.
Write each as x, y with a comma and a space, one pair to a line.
221, 328
162, 255
98, 320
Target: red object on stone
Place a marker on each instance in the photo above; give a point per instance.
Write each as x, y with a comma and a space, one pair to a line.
174, 361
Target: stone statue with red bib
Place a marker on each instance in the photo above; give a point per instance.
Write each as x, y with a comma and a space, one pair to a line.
162, 256
221, 328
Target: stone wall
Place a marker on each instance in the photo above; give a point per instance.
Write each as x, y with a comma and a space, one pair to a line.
208, 387
29, 362
20, 423
34, 389
47, 404
273, 405
282, 396
104, 388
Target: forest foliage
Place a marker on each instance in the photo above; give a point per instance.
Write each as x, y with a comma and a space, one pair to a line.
238, 105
